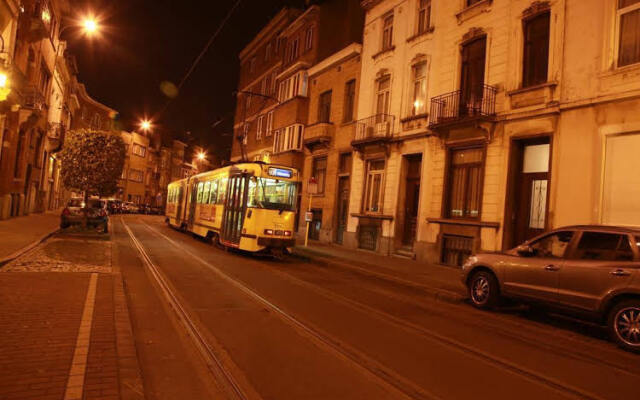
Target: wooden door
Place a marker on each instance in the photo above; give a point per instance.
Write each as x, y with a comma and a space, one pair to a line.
343, 208
412, 200
472, 76
532, 187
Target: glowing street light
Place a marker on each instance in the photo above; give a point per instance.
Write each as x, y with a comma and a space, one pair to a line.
202, 156
4, 80
145, 125
90, 25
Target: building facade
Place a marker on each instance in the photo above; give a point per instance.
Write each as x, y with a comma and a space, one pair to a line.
328, 155
504, 119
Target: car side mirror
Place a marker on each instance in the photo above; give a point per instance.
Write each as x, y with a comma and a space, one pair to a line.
525, 250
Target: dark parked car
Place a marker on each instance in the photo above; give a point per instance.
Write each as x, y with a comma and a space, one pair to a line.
587, 271
114, 206
76, 210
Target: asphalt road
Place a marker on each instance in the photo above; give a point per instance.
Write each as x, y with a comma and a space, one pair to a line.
216, 324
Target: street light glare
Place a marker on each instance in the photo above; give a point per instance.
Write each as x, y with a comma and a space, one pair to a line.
201, 156
90, 25
145, 125
3, 80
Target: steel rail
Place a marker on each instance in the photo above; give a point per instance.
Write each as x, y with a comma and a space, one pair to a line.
216, 367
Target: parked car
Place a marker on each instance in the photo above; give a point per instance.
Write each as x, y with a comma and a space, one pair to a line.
586, 271
95, 211
144, 209
114, 206
129, 208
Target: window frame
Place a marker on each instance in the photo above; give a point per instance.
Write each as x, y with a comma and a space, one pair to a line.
289, 138
414, 80
386, 42
132, 170
619, 12
573, 252
308, 39
528, 58
446, 202
324, 106
269, 124
322, 183
369, 177
348, 113
138, 146
423, 26
260, 125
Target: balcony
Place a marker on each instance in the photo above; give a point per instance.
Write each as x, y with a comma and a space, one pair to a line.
33, 98
318, 135
55, 136
377, 129
34, 23
461, 107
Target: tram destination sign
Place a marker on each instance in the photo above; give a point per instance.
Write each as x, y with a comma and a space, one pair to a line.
280, 172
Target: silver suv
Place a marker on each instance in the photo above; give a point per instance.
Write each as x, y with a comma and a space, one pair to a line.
587, 271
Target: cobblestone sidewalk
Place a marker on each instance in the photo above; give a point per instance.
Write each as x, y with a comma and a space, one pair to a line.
65, 326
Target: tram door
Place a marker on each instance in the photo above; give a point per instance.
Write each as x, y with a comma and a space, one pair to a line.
234, 209
179, 207
193, 196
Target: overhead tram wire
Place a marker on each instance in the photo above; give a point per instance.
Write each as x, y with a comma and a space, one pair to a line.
197, 60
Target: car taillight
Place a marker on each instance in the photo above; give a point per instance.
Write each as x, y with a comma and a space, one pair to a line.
66, 212
268, 231
287, 233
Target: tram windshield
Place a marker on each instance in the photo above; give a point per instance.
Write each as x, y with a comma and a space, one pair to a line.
272, 194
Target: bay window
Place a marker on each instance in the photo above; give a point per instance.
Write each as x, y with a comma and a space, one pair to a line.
295, 85
288, 139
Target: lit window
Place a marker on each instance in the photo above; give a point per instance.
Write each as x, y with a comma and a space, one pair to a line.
419, 90
139, 150
464, 191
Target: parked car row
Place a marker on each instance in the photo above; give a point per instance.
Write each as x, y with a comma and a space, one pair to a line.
94, 211
127, 207
588, 271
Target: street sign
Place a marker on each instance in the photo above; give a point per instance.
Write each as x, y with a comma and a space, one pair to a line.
312, 188
308, 216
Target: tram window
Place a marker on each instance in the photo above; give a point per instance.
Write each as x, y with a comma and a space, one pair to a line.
222, 190
200, 189
272, 194
205, 194
213, 195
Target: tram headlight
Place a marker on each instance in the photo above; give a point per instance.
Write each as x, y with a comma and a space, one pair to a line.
287, 233
268, 231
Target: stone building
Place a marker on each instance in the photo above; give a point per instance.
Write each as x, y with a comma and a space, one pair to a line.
33, 60
532, 123
134, 185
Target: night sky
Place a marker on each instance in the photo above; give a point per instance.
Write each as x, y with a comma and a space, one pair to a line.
145, 42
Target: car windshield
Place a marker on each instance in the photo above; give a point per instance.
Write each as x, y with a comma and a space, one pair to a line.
75, 203
272, 194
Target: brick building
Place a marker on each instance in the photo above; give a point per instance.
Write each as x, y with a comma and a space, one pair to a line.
333, 91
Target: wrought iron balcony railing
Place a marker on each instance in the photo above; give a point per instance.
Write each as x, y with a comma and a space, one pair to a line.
379, 126
461, 105
33, 98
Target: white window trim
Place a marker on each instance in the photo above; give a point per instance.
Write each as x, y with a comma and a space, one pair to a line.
269, 127
367, 188
382, 37
260, 124
295, 85
308, 41
616, 42
288, 139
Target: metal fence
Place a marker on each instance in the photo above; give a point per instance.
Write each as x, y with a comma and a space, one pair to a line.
461, 104
376, 126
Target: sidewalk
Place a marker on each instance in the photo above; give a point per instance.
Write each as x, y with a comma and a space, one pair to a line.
20, 232
440, 281
65, 324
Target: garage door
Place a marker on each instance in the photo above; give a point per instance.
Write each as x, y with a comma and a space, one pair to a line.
621, 192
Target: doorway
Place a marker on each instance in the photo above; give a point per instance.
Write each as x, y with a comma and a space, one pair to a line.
472, 76
529, 183
343, 208
412, 199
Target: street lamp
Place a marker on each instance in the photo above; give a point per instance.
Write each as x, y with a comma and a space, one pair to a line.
90, 26
202, 156
145, 125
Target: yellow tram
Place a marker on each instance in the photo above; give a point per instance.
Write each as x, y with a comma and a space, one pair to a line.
250, 206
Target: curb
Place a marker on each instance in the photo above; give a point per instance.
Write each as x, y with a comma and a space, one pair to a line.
27, 248
437, 294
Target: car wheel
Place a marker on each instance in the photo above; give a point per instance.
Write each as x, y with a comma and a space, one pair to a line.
484, 290
624, 324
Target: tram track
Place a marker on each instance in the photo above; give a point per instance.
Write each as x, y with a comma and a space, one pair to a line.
383, 376
372, 365
217, 365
